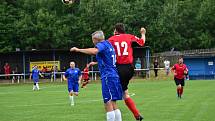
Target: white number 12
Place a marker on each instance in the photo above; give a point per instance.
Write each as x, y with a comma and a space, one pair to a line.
124, 45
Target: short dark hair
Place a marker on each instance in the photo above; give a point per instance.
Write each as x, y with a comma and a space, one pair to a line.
180, 57
120, 27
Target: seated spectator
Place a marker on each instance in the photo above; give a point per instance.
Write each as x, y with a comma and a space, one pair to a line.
138, 66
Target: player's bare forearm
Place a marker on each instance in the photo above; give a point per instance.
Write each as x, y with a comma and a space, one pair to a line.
89, 51
173, 71
79, 81
141, 41
64, 78
143, 37
93, 63
186, 71
41, 75
143, 32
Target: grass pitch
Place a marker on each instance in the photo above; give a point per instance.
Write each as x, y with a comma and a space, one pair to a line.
156, 100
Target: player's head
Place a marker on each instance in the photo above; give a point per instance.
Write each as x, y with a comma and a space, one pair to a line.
97, 36
68, 1
72, 64
87, 65
35, 67
119, 28
180, 60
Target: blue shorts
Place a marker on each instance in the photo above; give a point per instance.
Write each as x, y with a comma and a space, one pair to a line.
36, 80
111, 89
73, 86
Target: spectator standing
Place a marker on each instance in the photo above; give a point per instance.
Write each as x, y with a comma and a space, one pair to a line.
16, 71
167, 66
7, 70
156, 66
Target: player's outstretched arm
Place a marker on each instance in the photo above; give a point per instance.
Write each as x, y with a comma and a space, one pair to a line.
93, 63
89, 51
41, 75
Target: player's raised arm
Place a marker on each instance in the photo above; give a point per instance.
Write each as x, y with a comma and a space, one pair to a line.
143, 32
89, 51
140, 41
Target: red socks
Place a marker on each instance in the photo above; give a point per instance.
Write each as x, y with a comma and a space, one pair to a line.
132, 107
180, 91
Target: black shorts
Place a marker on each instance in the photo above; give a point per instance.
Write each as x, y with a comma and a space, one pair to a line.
126, 72
179, 81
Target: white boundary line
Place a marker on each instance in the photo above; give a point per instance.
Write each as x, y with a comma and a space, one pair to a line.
30, 91
30, 105
88, 101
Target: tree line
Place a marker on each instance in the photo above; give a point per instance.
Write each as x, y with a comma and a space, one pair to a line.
49, 24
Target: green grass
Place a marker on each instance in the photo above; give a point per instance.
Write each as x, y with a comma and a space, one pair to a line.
156, 100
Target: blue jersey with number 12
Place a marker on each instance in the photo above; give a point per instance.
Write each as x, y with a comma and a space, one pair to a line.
106, 59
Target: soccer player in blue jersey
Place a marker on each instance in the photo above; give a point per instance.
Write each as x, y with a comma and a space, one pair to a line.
73, 77
35, 76
111, 87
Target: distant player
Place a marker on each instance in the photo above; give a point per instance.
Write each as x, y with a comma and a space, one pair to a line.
85, 76
180, 71
73, 78
35, 76
122, 44
111, 87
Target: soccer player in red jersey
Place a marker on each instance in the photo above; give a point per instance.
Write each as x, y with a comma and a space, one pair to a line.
122, 44
179, 70
85, 76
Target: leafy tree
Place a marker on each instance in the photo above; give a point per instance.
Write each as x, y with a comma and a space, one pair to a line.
49, 24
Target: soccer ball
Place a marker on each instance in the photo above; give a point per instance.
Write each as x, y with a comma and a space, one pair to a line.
68, 2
